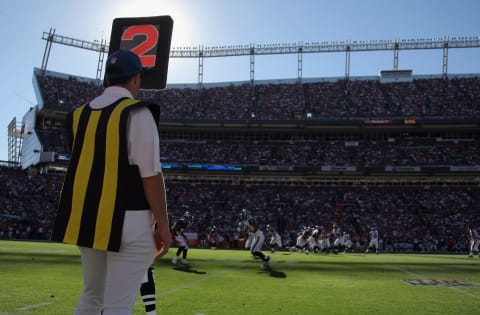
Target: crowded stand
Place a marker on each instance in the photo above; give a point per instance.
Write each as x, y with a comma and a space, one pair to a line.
432, 97
413, 217
410, 218
313, 155
65, 93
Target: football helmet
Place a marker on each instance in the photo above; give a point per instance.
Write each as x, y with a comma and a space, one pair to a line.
252, 221
188, 217
244, 214
241, 227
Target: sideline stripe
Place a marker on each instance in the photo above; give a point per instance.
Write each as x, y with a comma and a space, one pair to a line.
475, 296
29, 307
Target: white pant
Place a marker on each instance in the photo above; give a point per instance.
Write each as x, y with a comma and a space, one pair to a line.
373, 243
112, 280
181, 241
276, 240
258, 239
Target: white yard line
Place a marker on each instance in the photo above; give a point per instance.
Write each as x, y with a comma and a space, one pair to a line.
29, 307
193, 283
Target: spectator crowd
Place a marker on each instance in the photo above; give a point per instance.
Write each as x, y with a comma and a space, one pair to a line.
411, 217
432, 97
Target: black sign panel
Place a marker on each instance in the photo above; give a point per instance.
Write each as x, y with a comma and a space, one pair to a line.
149, 38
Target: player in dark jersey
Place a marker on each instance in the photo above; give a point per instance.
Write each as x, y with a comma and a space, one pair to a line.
212, 237
178, 229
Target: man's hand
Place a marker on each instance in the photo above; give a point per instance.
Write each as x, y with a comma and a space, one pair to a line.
163, 239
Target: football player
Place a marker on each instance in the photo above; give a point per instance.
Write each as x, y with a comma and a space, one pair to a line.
474, 241
242, 228
275, 239
338, 238
373, 240
258, 240
302, 244
324, 242
347, 242
212, 237
178, 230
314, 240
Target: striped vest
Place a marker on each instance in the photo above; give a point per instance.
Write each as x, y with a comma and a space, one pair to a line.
99, 184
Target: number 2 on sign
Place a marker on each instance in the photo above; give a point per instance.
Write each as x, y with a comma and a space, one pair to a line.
151, 40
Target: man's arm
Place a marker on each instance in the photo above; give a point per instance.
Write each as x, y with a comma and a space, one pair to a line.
154, 188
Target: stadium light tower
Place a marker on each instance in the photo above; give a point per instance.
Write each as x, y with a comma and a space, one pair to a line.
100, 47
300, 48
14, 141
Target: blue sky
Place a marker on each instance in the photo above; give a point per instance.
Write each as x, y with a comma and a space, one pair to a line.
229, 22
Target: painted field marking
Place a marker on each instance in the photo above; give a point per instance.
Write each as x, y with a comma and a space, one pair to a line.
457, 289
29, 307
193, 283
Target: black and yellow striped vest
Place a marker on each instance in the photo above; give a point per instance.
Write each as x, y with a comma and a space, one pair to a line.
99, 184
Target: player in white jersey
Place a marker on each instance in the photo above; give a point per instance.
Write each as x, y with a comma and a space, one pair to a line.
324, 241
338, 239
242, 228
347, 242
302, 244
314, 240
373, 240
258, 240
474, 235
275, 239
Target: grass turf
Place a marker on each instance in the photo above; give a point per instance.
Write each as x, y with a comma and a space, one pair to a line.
45, 278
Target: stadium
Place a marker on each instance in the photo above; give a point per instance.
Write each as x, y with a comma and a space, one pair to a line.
397, 152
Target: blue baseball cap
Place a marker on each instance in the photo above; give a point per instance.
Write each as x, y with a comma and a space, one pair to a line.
122, 64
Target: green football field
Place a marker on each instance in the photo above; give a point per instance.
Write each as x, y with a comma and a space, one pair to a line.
45, 278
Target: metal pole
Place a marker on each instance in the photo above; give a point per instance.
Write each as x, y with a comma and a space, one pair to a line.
300, 63
445, 59
46, 53
200, 66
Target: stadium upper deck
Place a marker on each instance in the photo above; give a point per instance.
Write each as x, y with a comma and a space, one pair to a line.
359, 124
424, 97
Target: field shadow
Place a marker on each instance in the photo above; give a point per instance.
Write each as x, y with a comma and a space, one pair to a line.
273, 273
188, 269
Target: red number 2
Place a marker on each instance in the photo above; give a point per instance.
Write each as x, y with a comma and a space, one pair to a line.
151, 40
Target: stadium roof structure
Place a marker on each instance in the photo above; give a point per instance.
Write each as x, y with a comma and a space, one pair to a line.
299, 48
